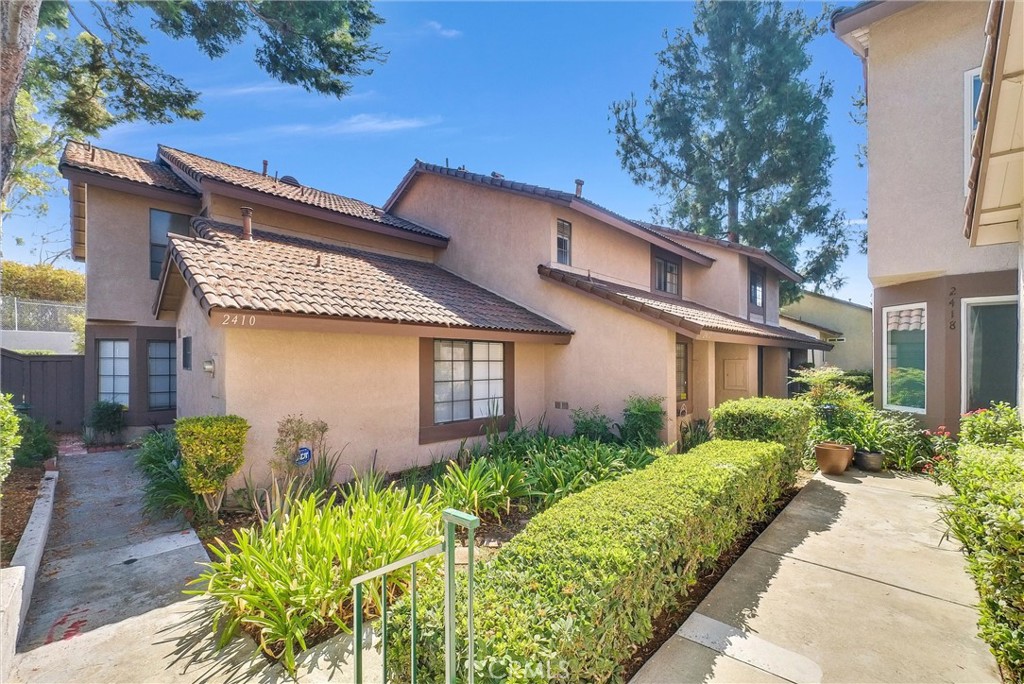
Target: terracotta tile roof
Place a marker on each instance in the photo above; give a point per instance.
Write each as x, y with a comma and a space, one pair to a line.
276, 273
679, 312
157, 174
499, 182
905, 320
199, 168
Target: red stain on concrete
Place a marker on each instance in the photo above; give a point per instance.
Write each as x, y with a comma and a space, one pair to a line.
60, 630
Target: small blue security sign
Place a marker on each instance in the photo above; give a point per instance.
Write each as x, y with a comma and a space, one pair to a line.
305, 454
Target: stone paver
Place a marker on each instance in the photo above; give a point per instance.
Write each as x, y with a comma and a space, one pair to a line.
853, 582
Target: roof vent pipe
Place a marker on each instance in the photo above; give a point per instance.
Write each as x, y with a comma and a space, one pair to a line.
265, 164
579, 187
247, 223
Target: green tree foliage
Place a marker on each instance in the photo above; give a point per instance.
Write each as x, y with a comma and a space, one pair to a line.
90, 67
10, 437
734, 139
42, 281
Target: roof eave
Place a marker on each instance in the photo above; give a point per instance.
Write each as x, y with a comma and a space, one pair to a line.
845, 22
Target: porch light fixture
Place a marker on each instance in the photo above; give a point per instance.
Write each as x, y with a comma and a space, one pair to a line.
210, 366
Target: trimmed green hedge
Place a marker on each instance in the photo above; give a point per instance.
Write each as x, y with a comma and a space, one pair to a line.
986, 513
212, 450
786, 421
572, 596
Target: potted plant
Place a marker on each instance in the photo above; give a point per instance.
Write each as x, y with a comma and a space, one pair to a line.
869, 438
833, 453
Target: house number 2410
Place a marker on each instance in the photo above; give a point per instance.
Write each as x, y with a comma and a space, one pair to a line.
235, 319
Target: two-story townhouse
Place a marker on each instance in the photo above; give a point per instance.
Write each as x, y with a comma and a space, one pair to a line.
945, 314
466, 301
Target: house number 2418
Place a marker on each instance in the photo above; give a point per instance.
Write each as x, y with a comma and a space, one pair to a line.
239, 320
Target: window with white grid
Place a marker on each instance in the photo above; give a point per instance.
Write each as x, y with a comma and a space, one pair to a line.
113, 372
469, 380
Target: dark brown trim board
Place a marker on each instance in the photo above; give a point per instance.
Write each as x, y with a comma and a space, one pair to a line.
431, 433
943, 297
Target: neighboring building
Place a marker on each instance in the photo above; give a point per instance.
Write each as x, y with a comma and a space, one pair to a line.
845, 325
945, 313
465, 301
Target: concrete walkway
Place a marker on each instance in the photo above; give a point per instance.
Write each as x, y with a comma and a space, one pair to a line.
853, 582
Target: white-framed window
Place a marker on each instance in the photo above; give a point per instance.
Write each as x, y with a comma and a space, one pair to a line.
904, 357
162, 224
988, 351
563, 242
113, 372
972, 92
469, 380
163, 376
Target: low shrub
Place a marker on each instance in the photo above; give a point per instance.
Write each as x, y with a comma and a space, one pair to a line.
785, 421
573, 595
106, 418
859, 380
995, 426
986, 513
166, 492
37, 443
694, 433
10, 437
642, 421
592, 424
212, 450
287, 584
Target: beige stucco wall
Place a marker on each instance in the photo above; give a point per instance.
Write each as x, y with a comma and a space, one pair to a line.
916, 113
723, 286
852, 320
200, 393
368, 406
498, 239
117, 285
228, 209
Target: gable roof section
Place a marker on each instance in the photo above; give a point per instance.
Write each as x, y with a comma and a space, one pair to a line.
759, 256
559, 197
816, 326
691, 318
87, 157
287, 275
195, 169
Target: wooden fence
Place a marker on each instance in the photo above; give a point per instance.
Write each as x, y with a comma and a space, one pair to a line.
53, 385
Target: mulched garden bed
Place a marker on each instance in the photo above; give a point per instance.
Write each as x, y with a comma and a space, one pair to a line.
19, 493
223, 529
669, 621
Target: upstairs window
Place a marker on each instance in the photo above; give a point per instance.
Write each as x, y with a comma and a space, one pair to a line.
972, 93
665, 272
161, 224
757, 290
563, 242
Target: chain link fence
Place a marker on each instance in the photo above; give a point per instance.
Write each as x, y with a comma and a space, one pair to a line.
37, 316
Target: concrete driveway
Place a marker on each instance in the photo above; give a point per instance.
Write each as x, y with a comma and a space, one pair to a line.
853, 582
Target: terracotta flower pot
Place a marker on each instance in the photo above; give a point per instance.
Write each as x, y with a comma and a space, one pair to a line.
833, 459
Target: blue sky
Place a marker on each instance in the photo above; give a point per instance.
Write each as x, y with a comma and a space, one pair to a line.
519, 88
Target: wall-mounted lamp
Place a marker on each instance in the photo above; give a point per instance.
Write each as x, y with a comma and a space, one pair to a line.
210, 366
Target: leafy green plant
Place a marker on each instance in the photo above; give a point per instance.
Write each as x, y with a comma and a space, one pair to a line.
994, 426
166, 492
212, 450
693, 434
473, 490
785, 421
592, 424
642, 421
986, 513
511, 480
107, 418
573, 595
10, 437
37, 443
287, 584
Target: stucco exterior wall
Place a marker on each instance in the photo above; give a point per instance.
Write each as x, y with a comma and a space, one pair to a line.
118, 286
200, 393
228, 209
916, 116
498, 240
852, 320
723, 286
370, 407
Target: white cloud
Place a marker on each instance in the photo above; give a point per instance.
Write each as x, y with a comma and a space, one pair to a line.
359, 123
439, 29
246, 89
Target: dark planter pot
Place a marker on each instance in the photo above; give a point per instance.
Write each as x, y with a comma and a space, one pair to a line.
833, 459
868, 461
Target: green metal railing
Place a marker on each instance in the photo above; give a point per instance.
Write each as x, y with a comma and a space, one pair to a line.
451, 519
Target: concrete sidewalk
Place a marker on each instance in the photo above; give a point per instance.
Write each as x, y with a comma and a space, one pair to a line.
853, 582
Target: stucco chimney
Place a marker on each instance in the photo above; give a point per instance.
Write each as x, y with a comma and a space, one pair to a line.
265, 164
579, 187
247, 223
